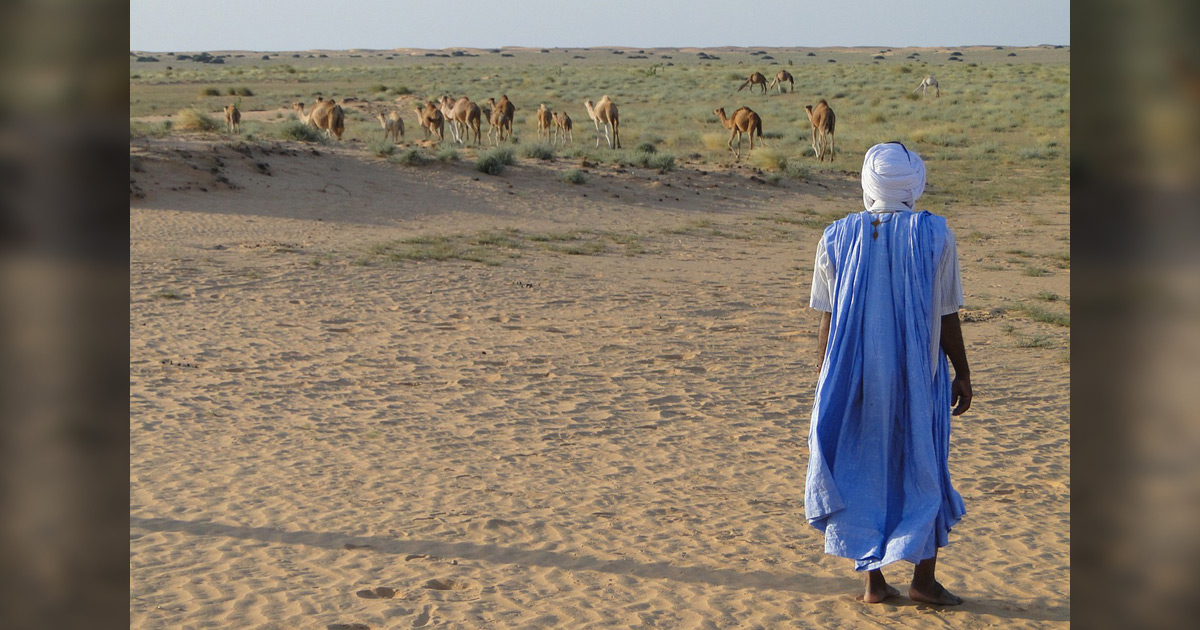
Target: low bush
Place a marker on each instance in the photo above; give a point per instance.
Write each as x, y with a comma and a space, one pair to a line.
494, 161
573, 176
196, 120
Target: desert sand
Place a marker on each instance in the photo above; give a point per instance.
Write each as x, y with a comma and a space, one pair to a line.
321, 437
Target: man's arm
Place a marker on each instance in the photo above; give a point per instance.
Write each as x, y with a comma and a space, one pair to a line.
956, 351
823, 338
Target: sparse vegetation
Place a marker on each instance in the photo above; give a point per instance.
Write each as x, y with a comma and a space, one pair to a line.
410, 157
296, 130
573, 176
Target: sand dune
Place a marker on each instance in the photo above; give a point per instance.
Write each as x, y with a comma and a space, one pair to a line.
322, 437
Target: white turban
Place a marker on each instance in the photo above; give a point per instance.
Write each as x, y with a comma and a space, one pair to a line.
892, 173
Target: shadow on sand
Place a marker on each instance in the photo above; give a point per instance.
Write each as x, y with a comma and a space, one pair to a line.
764, 580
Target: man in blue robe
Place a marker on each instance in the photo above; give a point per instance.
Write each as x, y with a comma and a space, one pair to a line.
887, 282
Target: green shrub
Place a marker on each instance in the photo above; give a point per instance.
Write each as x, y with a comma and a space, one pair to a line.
538, 151
244, 91
447, 154
646, 147
196, 120
573, 176
494, 161
210, 91
381, 148
409, 157
296, 130
767, 159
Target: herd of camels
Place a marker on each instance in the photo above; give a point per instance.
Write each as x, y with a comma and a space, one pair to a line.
466, 117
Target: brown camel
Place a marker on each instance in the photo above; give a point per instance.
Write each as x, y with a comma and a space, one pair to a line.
822, 119
233, 119
562, 125
783, 75
605, 112
432, 121
499, 122
754, 79
464, 116
545, 120
744, 121
510, 112
324, 114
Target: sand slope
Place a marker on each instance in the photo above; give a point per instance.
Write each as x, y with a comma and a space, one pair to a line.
558, 441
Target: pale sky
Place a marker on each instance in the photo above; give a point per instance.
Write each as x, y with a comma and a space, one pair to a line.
199, 25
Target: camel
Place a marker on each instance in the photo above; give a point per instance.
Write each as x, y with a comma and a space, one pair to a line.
783, 75
431, 121
510, 111
500, 116
929, 82
605, 112
754, 79
562, 125
744, 121
499, 122
822, 120
233, 119
324, 114
545, 120
464, 116
390, 121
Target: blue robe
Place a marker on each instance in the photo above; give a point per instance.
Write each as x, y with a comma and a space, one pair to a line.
878, 483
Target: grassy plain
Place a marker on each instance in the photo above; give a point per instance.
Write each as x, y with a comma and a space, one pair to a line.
1000, 131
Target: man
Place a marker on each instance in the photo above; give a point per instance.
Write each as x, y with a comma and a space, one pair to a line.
888, 284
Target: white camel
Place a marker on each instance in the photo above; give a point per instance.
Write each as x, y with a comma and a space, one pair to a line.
929, 82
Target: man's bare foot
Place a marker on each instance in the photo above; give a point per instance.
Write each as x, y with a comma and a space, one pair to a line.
875, 596
935, 594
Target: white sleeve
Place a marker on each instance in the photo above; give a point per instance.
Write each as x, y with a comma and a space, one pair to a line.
948, 284
822, 276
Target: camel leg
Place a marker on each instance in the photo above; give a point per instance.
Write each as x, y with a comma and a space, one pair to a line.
831, 148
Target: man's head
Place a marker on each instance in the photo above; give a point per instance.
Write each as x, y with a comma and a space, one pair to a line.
892, 173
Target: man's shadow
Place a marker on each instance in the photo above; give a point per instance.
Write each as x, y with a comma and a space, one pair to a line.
761, 580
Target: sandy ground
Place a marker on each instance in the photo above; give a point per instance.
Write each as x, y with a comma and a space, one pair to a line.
320, 437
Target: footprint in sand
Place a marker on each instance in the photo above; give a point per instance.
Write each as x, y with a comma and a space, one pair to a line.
445, 584
379, 592
422, 620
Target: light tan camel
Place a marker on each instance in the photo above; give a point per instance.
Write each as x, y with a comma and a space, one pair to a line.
498, 122
783, 75
929, 82
562, 125
233, 119
744, 120
393, 125
464, 117
822, 120
545, 120
432, 121
605, 112
754, 79
324, 114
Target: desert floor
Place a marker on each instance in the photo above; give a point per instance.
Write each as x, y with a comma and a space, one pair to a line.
604, 428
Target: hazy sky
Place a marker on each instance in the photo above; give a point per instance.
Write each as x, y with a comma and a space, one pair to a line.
196, 25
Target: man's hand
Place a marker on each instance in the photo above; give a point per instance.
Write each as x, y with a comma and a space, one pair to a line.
960, 394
